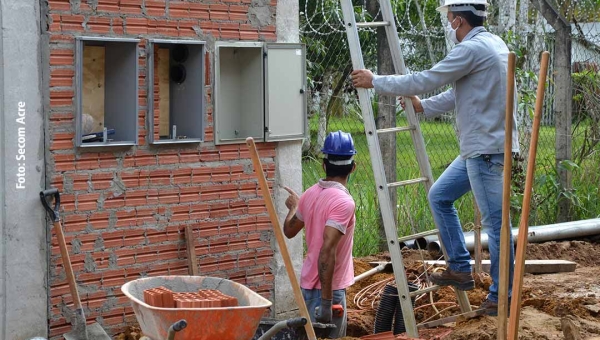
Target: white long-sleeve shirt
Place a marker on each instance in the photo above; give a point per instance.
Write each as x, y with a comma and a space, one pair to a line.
477, 69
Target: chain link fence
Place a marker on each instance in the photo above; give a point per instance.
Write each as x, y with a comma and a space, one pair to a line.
333, 105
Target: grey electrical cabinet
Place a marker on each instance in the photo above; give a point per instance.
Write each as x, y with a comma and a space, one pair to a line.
259, 92
176, 96
106, 91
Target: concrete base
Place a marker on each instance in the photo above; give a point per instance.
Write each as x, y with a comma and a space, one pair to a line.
23, 246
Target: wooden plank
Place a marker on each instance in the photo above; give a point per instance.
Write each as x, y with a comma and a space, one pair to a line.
520, 253
164, 127
94, 60
531, 266
278, 231
191, 251
505, 230
443, 321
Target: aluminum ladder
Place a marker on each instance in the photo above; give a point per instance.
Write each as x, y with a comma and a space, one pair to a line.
383, 186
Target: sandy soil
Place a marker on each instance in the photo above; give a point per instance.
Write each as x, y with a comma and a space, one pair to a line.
555, 306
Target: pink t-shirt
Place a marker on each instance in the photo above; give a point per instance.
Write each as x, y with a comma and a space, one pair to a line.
327, 203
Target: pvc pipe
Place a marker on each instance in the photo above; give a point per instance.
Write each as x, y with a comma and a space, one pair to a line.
550, 232
370, 272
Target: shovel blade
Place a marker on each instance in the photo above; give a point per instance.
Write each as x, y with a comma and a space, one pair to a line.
92, 332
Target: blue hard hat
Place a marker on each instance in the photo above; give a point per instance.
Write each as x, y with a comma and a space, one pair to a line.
339, 143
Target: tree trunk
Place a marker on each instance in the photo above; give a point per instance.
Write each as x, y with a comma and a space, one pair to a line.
562, 99
508, 15
562, 116
386, 118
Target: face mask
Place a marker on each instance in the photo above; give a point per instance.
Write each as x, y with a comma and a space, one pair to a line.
451, 32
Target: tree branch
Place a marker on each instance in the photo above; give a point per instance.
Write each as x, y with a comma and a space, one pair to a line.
551, 14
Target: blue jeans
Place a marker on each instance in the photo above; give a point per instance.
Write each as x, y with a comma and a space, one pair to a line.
484, 176
312, 297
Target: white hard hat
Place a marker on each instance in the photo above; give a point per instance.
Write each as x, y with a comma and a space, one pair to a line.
463, 5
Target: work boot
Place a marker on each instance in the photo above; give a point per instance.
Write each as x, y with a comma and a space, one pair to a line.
460, 280
491, 307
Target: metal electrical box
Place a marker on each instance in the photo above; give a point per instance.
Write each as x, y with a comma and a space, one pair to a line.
176, 95
106, 91
260, 92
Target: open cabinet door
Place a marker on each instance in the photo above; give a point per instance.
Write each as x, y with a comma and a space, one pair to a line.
285, 95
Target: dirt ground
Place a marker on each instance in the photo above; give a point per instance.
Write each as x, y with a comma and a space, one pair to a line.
554, 306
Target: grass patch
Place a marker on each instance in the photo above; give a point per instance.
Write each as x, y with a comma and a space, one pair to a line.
412, 209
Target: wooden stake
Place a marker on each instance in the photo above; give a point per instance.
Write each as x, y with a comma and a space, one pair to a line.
262, 181
191, 251
515, 306
505, 232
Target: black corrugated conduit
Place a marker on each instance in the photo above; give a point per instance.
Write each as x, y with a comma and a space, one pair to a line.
389, 309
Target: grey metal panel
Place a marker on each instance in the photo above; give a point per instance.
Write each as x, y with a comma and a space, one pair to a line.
121, 91
108, 39
150, 91
177, 41
187, 99
285, 109
78, 89
239, 92
191, 93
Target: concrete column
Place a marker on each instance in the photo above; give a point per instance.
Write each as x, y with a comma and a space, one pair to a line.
288, 172
23, 260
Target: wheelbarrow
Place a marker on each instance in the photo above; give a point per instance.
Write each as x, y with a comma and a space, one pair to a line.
213, 323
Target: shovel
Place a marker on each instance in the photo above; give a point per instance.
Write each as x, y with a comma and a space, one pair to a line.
80, 331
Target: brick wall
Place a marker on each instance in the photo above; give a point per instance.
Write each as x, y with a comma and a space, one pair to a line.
125, 209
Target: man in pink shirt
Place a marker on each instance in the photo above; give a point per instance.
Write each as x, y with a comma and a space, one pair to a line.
326, 212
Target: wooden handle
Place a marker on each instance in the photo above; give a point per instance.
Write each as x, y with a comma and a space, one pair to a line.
64, 253
505, 232
262, 181
515, 306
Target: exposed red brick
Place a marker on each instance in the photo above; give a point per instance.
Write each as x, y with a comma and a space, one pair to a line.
59, 5
98, 25
62, 77
87, 201
179, 10
168, 159
85, 7
187, 28
62, 141
59, 57
130, 6
114, 202
136, 26
135, 198
72, 23
155, 8
199, 11
209, 27
249, 35
118, 26
61, 38
108, 6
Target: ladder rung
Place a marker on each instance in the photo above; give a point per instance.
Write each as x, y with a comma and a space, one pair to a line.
396, 129
416, 236
425, 291
453, 318
407, 182
373, 24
